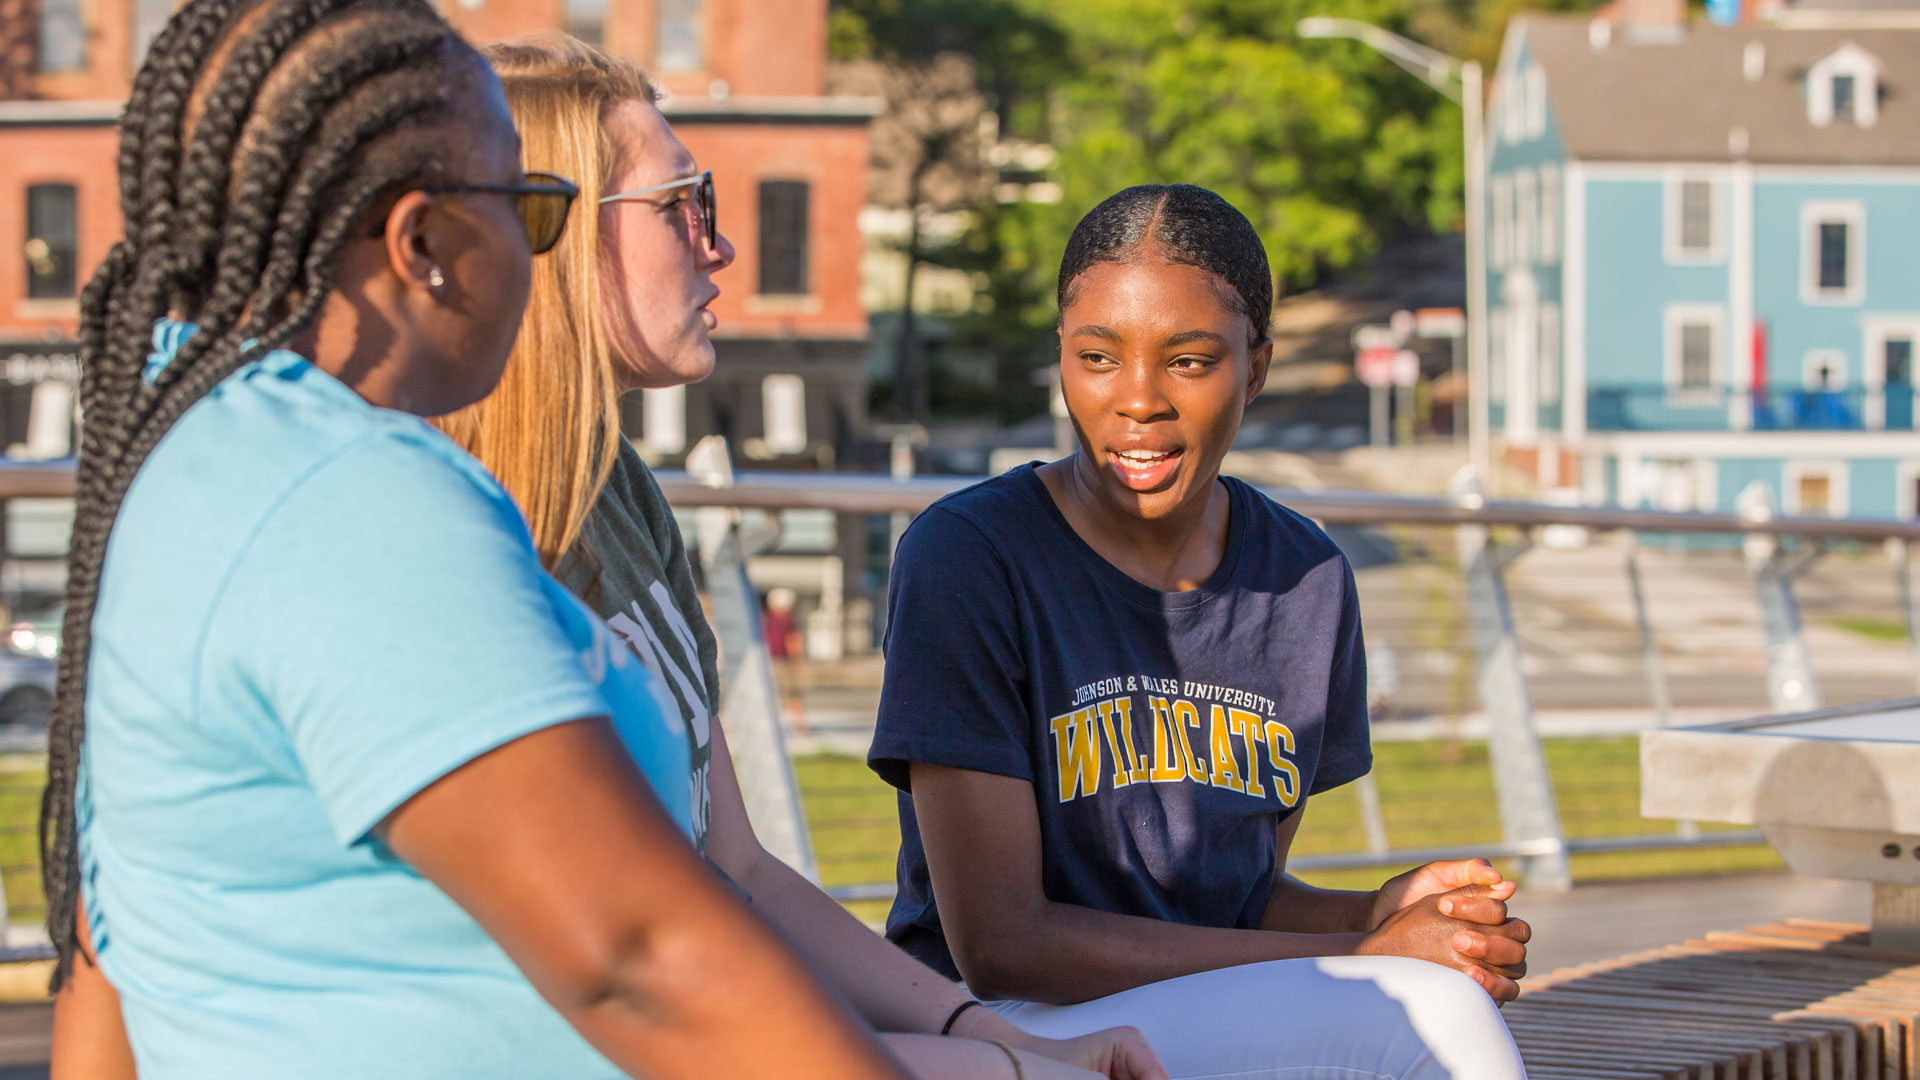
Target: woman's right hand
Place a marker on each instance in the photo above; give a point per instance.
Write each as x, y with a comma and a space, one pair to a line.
1489, 949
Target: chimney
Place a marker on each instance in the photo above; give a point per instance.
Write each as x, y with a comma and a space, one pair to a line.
1653, 20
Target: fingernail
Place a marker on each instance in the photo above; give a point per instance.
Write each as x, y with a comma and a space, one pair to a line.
1446, 907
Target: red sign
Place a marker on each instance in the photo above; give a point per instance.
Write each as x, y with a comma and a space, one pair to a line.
1382, 367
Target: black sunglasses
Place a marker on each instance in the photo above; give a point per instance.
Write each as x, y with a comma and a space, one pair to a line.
702, 196
543, 200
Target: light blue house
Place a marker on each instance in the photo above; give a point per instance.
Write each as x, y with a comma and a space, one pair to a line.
1704, 259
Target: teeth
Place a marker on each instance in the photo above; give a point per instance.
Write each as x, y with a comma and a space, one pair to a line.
1140, 457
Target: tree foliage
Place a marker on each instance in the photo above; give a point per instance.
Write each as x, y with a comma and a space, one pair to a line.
1324, 145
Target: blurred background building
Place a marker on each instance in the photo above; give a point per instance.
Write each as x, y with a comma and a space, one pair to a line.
1704, 242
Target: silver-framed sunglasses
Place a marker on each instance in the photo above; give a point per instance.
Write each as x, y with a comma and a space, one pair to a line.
702, 196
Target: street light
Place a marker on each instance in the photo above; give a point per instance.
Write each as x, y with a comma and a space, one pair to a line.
1459, 80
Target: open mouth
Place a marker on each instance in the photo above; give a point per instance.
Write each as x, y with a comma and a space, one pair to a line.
1144, 470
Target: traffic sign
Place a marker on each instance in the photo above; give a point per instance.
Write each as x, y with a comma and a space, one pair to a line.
1381, 367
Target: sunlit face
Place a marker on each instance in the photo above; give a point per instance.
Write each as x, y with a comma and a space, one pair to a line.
1156, 369
659, 283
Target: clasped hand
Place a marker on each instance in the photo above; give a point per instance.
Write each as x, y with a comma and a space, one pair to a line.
1454, 914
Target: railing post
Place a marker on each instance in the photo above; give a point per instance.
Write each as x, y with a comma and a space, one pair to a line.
1521, 782
749, 700
1901, 554
1656, 670
1791, 687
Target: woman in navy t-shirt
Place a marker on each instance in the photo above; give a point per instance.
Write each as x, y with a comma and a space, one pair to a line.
1114, 681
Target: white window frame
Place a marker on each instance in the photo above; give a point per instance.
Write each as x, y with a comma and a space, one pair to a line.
1535, 80
1835, 361
663, 419
1851, 60
1548, 380
1837, 473
783, 404
1552, 204
1526, 211
1853, 213
1500, 217
1715, 251
1873, 363
1715, 318
1907, 475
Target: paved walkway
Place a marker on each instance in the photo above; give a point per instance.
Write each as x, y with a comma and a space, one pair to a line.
1590, 923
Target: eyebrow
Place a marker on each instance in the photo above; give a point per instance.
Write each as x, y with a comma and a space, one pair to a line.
1185, 336
1093, 330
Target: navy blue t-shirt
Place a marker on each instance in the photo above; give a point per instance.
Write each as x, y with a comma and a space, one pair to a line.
1165, 734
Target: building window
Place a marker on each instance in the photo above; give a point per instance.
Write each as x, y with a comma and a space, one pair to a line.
587, 20
783, 237
1549, 353
783, 403
1694, 348
1549, 214
52, 239
1843, 99
663, 419
1844, 88
1500, 216
682, 41
1525, 216
1693, 234
1835, 262
1815, 488
63, 36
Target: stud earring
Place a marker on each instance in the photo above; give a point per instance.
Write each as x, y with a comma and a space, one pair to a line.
435, 278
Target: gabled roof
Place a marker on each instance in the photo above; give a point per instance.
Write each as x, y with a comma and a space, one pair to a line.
1681, 99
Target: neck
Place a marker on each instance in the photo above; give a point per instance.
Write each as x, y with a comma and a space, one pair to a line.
363, 352
1173, 551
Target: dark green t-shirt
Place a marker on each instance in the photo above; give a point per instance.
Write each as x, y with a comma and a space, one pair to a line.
636, 576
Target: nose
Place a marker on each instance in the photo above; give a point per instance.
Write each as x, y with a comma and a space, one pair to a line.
1142, 396
719, 256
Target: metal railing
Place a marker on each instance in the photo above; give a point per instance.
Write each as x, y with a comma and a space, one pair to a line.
1492, 695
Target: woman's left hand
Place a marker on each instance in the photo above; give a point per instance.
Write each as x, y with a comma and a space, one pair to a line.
1442, 877
1119, 1053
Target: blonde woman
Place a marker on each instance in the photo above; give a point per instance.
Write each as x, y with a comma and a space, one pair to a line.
622, 307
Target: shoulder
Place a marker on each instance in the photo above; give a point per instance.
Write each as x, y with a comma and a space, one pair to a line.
974, 521
1280, 521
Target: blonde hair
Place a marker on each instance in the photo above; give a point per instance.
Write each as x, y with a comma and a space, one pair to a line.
550, 431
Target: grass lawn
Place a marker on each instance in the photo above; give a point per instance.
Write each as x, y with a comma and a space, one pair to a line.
1872, 628
1433, 794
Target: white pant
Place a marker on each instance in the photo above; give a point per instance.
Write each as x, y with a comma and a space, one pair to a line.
1331, 1018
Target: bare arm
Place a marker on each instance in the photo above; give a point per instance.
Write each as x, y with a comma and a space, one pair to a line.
555, 845
89, 1038
892, 990
1298, 907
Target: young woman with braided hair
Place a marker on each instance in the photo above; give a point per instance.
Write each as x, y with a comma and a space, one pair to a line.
341, 782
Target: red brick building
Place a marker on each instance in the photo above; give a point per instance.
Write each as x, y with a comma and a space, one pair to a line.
746, 81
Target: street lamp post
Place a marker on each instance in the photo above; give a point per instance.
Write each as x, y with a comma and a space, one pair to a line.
1459, 80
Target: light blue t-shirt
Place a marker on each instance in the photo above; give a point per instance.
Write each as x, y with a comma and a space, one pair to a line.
312, 609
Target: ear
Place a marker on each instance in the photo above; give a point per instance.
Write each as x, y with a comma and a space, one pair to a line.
1259, 358
411, 242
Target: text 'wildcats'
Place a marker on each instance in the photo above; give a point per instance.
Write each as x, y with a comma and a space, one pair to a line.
1078, 738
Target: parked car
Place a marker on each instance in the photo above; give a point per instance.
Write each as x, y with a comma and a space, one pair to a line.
28, 668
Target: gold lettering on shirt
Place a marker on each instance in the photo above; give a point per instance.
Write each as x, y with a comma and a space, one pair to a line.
1186, 716
1226, 771
1286, 776
1169, 761
1139, 769
1105, 710
1076, 749
1247, 726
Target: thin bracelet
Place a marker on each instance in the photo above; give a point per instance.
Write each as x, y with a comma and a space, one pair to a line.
947, 1028
1019, 1073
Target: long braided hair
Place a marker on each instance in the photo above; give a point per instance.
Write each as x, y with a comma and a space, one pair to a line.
260, 135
